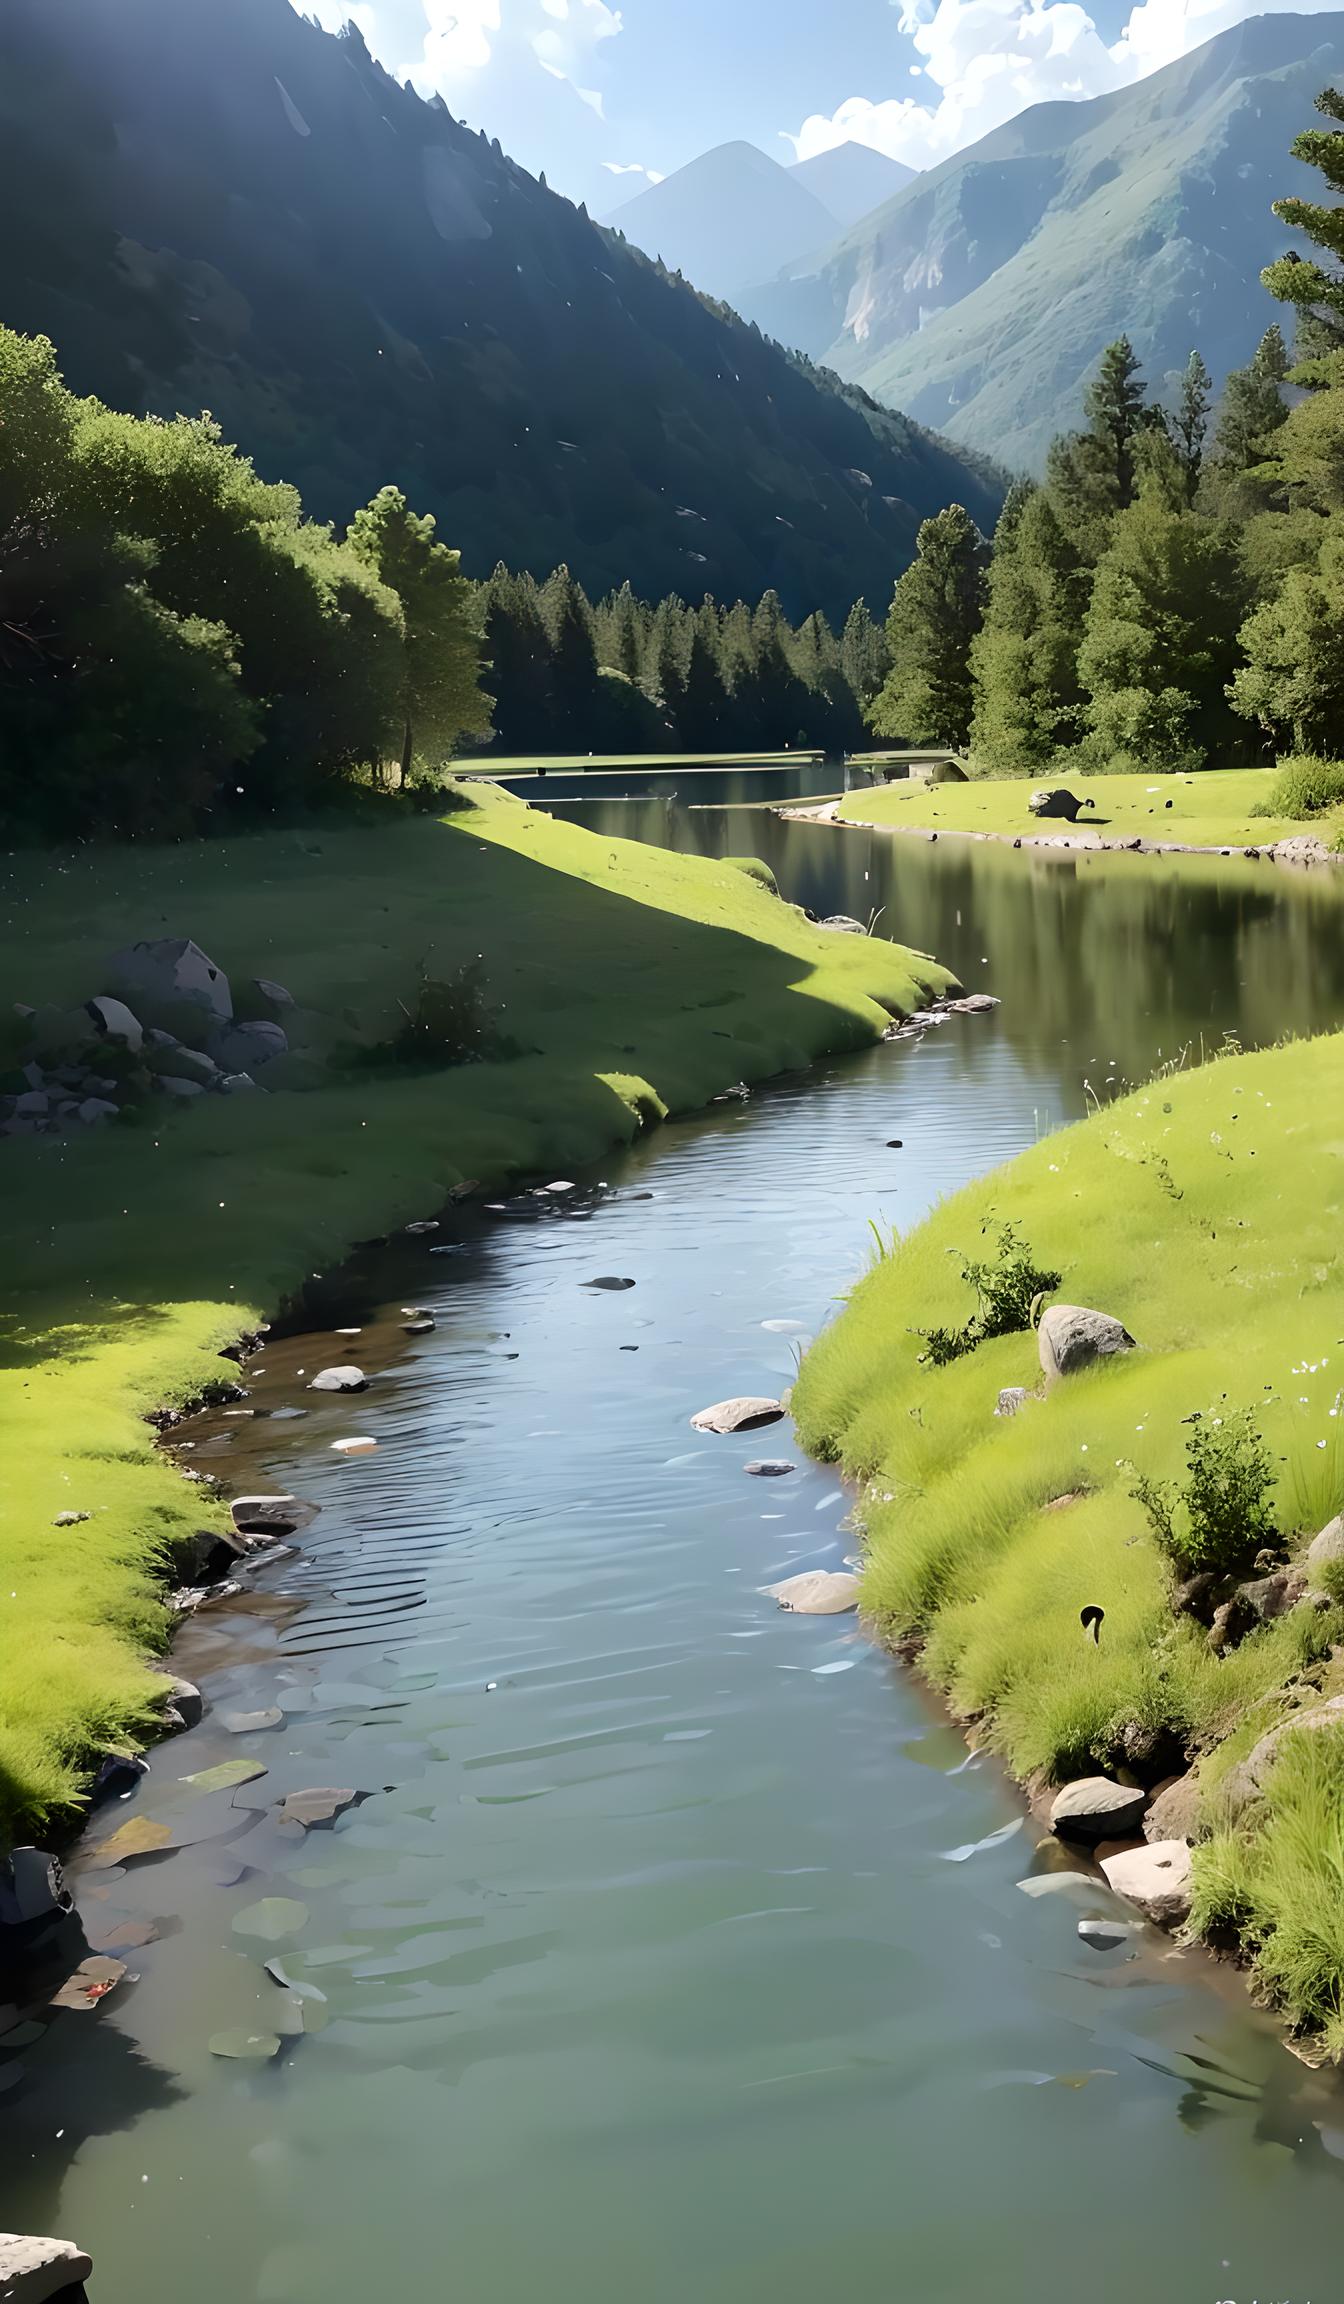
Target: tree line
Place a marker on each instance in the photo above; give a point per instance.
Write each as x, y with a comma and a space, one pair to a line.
621, 674
1172, 594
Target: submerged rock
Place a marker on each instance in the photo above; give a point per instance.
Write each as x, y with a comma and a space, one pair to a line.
318, 1805
1071, 1337
745, 1414
281, 1515
1156, 1878
1104, 1935
817, 1592
1096, 1809
769, 1468
340, 1380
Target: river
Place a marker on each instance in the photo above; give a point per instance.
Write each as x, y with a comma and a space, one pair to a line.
675, 1948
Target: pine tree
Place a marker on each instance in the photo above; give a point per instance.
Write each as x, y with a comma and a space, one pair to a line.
665, 659
1028, 702
1252, 408
863, 654
1160, 644
1315, 290
935, 614
703, 716
1094, 473
518, 669
1292, 683
626, 633
1191, 422
568, 618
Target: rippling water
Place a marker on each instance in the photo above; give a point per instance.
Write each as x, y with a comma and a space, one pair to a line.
675, 1947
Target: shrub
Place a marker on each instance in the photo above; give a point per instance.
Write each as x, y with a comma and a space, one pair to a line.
1006, 1289
450, 1022
755, 870
1220, 1516
1306, 785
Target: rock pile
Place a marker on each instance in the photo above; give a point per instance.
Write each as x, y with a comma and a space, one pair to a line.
165, 1029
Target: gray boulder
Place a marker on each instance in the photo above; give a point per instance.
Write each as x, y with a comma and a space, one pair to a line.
169, 971
747, 1414
33, 1104
1175, 1812
1071, 1338
840, 924
1012, 1400
32, 1887
1096, 1809
321, 1804
96, 1108
340, 1380
170, 1059
33, 2271
272, 1515
239, 1084
1326, 1553
1246, 1782
243, 1046
1156, 1878
112, 1020
170, 1085
817, 1592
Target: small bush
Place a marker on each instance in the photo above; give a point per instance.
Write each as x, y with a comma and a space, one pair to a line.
450, 1023
1220, 1516
1006, 1289
1306, 785
755, 870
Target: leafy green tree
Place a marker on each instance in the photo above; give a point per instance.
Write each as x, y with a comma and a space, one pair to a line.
1314, 289
1024, 661
1160, 643
1292, 682
440, 699
936, 611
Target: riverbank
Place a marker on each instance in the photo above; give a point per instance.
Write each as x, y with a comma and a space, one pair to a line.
1215, 812
621, 984
1203, 1212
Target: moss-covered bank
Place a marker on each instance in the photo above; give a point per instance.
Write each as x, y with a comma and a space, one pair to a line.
633, 983
1205, 1212
1215, 810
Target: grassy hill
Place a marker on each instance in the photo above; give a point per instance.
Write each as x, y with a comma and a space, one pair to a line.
212, 203
980, 297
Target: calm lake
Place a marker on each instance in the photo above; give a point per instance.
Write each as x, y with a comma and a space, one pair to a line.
676, 1949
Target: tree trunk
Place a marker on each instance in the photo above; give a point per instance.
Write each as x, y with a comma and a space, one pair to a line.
406, 753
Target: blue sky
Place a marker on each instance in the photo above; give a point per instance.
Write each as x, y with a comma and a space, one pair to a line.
603, 94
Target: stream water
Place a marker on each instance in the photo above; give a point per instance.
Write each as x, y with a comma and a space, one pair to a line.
675, 1948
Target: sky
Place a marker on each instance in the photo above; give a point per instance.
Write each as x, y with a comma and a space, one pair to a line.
606, 98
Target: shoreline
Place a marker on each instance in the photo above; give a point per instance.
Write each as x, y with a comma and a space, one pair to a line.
1300, 849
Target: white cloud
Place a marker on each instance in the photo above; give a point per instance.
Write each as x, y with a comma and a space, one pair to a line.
633, 168
462, 36
990, 59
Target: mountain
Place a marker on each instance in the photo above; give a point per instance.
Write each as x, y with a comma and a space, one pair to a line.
850, 180
214, 204
980, 297
728, 218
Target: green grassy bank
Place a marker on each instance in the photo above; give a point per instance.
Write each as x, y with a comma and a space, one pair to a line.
633, 982
1204, 1211
1213, 810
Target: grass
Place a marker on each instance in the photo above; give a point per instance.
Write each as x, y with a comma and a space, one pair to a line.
634, 982
1205, 1212
1214, 810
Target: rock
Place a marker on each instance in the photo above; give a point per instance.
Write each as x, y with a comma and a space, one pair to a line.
33, 1104
187, 1701
745, 1414
170, 970
973, 1004
609, 1281
32, 1887
1104, 1935
242, 1047
840, 924
273, 1515
817, 1592
182, 1089
175, 1061
1246, 1781
253, 1723
1197, 1596
1055, 800
138, 1836
89, 1986
1271, 1596
769, 1468
1156, 1878
358, 1447
1324, 1554
265, 988
238, 1084
1175, 1811
113, 1020
319, 1805
340, 1380
32, 2271
1096, 1809
1012, 1400
1071, 1337
95, 1109
70, 1519
417, 1327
